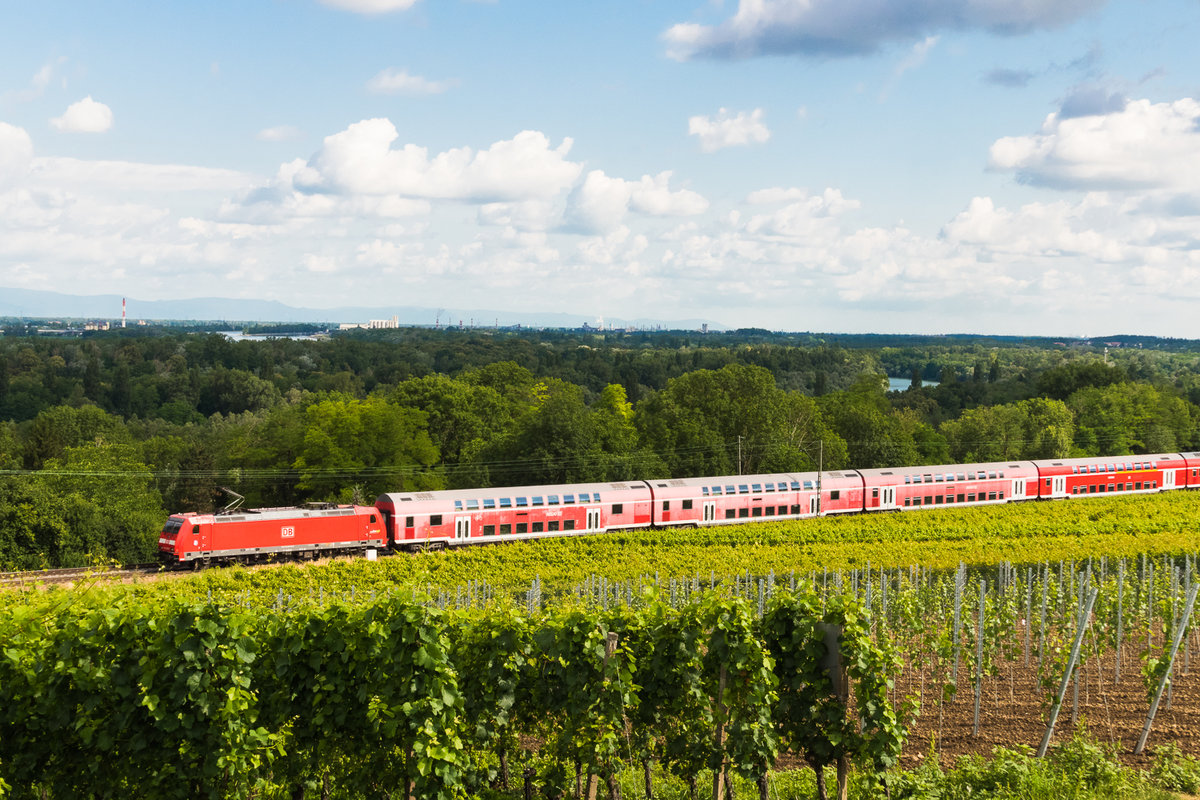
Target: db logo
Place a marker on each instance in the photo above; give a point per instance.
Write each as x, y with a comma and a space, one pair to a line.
287, 532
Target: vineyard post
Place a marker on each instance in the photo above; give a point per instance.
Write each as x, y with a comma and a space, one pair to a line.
718, 787
960, 577
1028, 610
1083, 588
979, 656
1042, 619
1062, 687
610, 647
1187, 614
1120, 616
1187, 642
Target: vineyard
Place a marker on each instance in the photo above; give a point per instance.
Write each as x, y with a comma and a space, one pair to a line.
707, 658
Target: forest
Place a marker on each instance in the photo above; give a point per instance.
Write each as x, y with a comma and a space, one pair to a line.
102, 436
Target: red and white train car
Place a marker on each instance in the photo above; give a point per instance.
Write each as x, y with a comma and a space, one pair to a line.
949, 484
1080, 477
251, 534
740, 498
517, 512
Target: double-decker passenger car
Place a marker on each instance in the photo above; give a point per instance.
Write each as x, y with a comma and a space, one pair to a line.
901, 488
514, 512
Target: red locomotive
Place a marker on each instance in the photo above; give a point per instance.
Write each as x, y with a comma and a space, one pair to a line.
408, 520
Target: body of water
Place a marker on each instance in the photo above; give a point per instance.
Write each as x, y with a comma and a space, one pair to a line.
900, 384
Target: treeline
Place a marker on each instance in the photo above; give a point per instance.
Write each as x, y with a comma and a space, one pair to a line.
102, 437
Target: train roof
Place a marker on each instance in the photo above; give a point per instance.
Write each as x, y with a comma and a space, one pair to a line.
1016, 467
606, 492
288, 512
1154, 458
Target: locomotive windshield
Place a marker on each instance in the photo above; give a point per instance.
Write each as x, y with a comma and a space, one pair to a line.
172, 527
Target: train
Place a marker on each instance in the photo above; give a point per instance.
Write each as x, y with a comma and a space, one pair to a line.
436, 519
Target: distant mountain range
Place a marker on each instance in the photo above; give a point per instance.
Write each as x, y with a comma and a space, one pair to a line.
41, 304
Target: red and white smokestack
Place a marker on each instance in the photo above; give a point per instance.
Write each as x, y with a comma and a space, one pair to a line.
122, 312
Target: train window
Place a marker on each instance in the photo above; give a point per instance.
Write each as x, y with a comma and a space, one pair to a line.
962, 497
372, 519
552, 500
769, 487
522, 527
874, 494
795, 509
586, 497
704, 491
756, 488
992, 475
743, 512
458, 505
1138, 485
537, 501
408, 522
1120, 487
783, 511
939, 478
927, 478
568, 498
950, 476
729, 513
1092, 489
796, 485
907, 502
743, 488
770, 511
506, 502
553, 525
730, 490
991, 495
618, 508
435, 519
537, 527
489, 503
962, 476
1001, 495
568, 524
758, 511
835, 494
939, 499
687, 505
505, 529
908, 478
489, 530
949, 498
522, 502
596, 497
666, 505
472, 505
1153, 484
971, 497
1103, 488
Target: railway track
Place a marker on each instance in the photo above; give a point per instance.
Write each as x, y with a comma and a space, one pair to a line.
73, 574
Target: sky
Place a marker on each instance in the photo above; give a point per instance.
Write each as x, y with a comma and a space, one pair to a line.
892, 166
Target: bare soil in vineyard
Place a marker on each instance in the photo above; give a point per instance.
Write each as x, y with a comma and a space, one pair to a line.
1014, 709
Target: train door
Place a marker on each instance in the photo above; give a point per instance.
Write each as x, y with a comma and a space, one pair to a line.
887, 498
814, 504
709, 511
1169, 478
1018, 489
593, 519
462, 527
1058, 486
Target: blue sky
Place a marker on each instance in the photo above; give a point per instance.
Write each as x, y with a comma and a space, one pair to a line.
991, 166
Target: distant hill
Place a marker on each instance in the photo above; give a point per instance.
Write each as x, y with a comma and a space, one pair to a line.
41, 304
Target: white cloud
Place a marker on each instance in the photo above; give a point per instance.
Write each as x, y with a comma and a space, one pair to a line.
16, 154
1142, 146
600, 203
370, 6
316, 263
280, 133
393, 81
37, 84
852, 27
133, 176
725, 130
86, 116
361, 160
